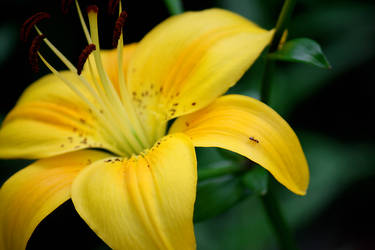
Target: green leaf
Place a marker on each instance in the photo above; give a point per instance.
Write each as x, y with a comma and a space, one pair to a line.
256, 179
215, 196
302, 50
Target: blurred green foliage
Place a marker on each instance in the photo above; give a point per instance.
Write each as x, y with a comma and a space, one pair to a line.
330, 110
257, 180
8, 36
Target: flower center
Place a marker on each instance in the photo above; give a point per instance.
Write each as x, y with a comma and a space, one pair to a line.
115, 111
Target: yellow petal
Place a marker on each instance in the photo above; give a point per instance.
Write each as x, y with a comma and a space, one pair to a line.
145, 202
34, 192
189, 60
50, 119
248, 127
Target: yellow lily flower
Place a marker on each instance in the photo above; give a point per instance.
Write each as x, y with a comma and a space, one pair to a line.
139, 193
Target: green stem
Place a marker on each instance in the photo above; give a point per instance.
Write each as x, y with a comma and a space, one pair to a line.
281, 25
174, 6
283, 233
266, 81
269, 200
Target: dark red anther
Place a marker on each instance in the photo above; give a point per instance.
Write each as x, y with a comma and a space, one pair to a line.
29, 24
120, 22
33, 52
65, 4
112, 4
83, 57
93, 8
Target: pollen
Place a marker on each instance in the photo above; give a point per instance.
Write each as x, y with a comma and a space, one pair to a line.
112, 4
30, 23
83, 57
33, 52
118, 27
65, 4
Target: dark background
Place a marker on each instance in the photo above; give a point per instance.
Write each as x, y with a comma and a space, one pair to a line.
331, 111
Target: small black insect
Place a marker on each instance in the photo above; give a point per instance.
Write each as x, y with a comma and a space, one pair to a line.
253, 139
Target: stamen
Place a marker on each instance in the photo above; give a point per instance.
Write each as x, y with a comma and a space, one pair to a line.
109, 89
112, 6
125, 93
33, 52
29, 24
119, 118
118, 27
83, 23
106, 123
83, 57
65, 4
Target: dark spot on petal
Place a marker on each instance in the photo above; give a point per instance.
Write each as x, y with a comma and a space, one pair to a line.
173, 111
194, 103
